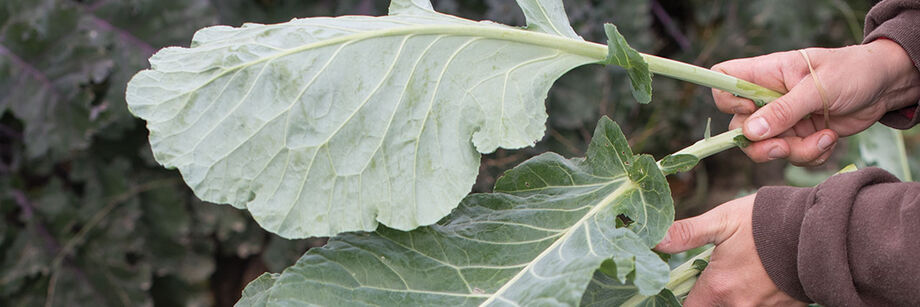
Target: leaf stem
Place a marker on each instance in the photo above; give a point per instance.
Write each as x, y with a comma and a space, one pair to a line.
599, 52
705, 77
686, 274
681, 279
713, 145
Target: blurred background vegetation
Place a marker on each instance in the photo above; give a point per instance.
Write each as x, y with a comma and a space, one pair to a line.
88, 218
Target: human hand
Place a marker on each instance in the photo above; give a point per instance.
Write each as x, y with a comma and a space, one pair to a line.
735, 275
861, 83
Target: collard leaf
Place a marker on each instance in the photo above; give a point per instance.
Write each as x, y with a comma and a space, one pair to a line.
411, 7
256, 292
621, 54
606, 290
324, 125
536, 241
547, 16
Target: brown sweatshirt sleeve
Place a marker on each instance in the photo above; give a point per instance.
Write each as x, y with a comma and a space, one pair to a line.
851, 241
897, 20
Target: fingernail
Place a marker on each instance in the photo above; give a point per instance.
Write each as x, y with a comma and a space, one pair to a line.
776, 153
666, 240
825, 142
758, 126
738, 110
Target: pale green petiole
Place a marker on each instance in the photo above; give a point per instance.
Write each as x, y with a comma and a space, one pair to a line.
713, 145
695, 74
684, 276
681, 279
686, 158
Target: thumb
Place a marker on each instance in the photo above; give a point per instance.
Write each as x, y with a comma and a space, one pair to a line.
784, 112
686, 234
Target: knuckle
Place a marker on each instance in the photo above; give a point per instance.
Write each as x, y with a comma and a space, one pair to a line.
683, 231
717, 289
725, 222
781, 111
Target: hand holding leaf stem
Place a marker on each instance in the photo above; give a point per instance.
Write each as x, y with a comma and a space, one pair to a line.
735, 275
861, 82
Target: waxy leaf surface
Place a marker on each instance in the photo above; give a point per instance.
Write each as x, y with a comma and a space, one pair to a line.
621, 54
536, 241
323, 125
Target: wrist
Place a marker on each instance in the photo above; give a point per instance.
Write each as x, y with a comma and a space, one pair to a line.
776, 224
901, 85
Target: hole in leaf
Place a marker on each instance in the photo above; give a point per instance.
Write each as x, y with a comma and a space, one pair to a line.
623, 221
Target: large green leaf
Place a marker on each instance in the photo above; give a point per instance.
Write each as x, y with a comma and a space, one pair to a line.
547, 16
324, 125
536, 241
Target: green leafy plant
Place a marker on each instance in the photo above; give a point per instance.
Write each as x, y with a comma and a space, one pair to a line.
343, 115
320, 126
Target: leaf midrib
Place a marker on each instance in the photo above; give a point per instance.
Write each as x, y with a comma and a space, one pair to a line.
604, 203
572, 46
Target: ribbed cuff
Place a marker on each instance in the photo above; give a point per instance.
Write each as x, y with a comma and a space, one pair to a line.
902, 29
776, 224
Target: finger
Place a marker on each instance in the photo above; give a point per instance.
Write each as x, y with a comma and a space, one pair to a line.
729, 103
765, 70
737, 121
768, 150
783, 113
710, 227
813, 149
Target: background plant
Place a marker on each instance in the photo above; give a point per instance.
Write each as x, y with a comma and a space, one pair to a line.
63, 61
